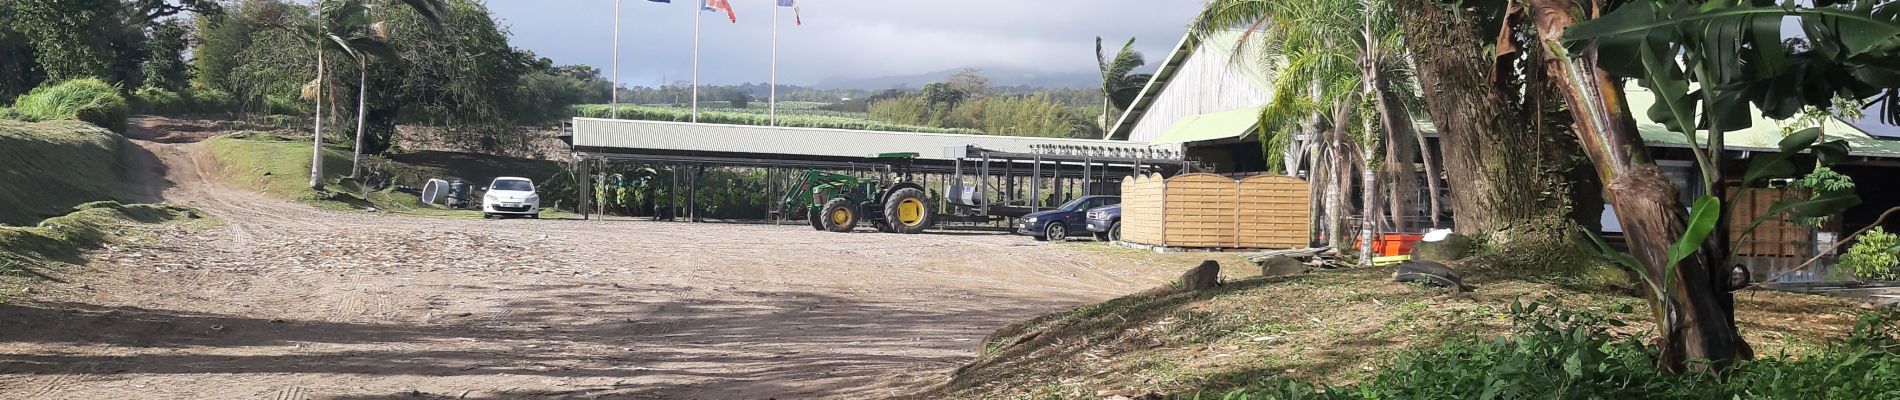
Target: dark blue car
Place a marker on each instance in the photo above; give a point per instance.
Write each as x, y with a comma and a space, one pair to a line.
1056, 223
1106, 223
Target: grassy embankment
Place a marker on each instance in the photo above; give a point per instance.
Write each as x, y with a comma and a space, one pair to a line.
280, 166
60, 187
1327, 328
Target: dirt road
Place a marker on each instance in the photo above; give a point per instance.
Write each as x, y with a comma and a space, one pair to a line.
288, 301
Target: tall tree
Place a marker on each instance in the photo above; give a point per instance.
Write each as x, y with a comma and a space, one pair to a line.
1120, 85
1338, 57
345, 27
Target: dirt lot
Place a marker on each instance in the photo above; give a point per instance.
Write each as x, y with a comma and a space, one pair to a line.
289, 301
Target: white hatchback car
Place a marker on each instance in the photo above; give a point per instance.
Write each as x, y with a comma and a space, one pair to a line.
511, 196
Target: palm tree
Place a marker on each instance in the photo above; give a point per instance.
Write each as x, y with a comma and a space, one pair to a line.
1120, 85
1336, 62
345, 26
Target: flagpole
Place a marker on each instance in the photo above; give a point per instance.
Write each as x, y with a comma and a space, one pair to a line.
614, 106
772, 103
696, 18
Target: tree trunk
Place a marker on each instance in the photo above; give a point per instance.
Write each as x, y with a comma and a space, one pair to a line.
1431, 176
1340, 177
1401, 176
1368, 198
1696, 315
362, 111
1317, 183
316, 147
1498, 177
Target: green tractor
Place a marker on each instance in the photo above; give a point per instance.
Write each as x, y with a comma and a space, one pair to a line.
838, 203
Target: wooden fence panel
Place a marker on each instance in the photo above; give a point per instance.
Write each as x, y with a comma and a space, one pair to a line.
1199, 211
1212, 211
1142, 208
1274, 212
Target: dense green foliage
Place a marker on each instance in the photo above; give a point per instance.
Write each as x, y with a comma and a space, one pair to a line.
724, 193
1574, 355
53, 166
1024, 115
751, 117
84, 99
1873, 256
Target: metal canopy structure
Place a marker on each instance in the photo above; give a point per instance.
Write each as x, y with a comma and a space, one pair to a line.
660, 141
1017, 169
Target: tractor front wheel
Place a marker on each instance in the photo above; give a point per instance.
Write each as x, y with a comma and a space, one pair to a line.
907, 211
817, 222
839, 215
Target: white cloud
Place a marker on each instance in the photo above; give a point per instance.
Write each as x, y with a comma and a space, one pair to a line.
842, 37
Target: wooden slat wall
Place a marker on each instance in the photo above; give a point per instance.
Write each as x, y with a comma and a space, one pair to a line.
1206, 210
1141, 209
1778, 237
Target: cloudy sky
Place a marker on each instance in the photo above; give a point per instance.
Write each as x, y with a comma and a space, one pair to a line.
841, 38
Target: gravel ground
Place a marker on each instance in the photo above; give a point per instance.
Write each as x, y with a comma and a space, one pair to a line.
288, 301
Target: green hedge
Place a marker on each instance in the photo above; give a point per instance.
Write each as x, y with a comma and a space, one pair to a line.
84, 99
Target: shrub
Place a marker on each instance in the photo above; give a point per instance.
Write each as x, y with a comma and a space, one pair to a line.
84, 99
1872, 257
285, 105
1565, 355
208, 100
153, 100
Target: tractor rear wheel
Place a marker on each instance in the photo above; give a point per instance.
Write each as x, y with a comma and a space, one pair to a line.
839, 215
907, 211
817, 223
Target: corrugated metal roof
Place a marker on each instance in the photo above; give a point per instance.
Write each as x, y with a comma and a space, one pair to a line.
716, 138
1764, 134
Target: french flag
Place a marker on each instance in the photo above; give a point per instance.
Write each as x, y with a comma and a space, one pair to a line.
719, 6
794, 5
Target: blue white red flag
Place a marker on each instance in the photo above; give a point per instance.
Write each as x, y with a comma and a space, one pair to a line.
719, 6
794, 5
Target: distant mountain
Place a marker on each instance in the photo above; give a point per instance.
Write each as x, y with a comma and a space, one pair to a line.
998, 77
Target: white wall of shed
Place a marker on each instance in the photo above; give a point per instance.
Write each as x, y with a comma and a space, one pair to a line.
1207, 82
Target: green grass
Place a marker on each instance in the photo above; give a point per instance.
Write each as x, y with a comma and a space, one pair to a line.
66, 237
85, 99
46, 168
280, 167
29, 255
1330, 328
756, 116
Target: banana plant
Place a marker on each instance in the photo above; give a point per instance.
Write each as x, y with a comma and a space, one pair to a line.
1708, 63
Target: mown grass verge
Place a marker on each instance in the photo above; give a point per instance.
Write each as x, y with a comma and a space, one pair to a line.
46, 168
1329, 329
280, 167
